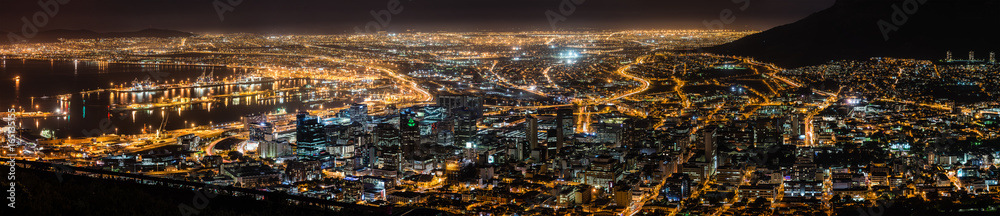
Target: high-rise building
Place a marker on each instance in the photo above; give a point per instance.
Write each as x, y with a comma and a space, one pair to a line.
434, 114
190, 142
767, 132
795, 128
531, 131
386, 136
262, 131
310, 137
409, 133
358, 113
564, 126
349, 140
253, 119
389, 158
364, 155
273, 148
258, 127
453, 102
465, 126
638, 133
708, 137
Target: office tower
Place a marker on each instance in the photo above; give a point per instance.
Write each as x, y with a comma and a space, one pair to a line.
358, 113
310, 138
263, 131
190, 142
409, 133
636, 133
349, 141
434, 114
767, 132
795, 128
972, 55
253, 119
564, 127
387, 148
389, 158
273, 148
465, 126
993, 57
531, 131
364, 155
708, 135
948, 56
453, 102
386, 136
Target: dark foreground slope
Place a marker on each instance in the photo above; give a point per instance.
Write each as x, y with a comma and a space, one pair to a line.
46, 193
850, 30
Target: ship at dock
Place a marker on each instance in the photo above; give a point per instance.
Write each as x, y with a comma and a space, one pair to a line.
172, 103
202, 81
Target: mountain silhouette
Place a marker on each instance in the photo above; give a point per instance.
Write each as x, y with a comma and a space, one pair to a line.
861, 29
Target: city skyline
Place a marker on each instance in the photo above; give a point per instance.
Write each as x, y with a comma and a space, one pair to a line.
571, 107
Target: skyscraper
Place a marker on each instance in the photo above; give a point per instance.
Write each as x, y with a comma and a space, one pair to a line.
564, 126
708, 135
409, 133
767, 132
531, 131
309, 136
358, 113
261, 131
465, 126
453, 102
386, 136
273, 148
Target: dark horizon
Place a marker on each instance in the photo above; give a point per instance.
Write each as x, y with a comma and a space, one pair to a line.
427, 16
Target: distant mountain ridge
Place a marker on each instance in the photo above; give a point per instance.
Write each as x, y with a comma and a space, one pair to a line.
55, 35
853, 29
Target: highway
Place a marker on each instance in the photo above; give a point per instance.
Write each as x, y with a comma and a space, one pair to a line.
584, 119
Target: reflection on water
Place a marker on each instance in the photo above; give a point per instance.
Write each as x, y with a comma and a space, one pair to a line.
43, 85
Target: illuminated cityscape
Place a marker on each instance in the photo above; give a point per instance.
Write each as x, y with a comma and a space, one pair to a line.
575, 121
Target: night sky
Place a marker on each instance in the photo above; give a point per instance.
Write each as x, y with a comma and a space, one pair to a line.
339, 16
